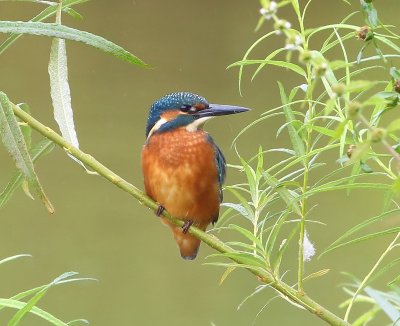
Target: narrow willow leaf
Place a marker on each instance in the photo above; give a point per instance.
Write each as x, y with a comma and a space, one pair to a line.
258, 289
68, 33
366, 317
283, 64
42, 148
320, 273
48, 12
394, 73
283, 192
5, 260
10, 303
262, 19
61, 95
270, 244
73, 13
247, 234
269, 57
238, 208
35, 290
227, 272
388, 43
364, 238
25, 188
390, 310
358, 86
244, 203
371, 15
297, 143
25, 128
282, 249
78, 321
361, 226
14, 142
32, 302
394, 125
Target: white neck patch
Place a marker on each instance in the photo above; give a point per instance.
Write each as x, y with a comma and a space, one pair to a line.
198, 123
156, 127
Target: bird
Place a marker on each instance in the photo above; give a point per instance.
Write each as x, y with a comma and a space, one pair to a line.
183, 168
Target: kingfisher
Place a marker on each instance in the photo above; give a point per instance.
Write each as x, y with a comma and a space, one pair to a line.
183, 168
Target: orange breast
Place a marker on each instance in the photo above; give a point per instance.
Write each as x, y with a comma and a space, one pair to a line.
180, 173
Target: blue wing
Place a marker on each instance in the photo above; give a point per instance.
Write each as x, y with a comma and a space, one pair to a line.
221, 165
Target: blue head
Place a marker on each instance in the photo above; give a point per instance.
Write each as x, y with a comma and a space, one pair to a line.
184, 109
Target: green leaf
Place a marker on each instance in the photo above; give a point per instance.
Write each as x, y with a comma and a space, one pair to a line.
310, 32
282, 248
297, 143
371, 15
389, 43
42, 148
366, 317
390, 310
80, 321
48, 12
394, 73
68, 33
6, 260
35, 310
25, 128
394, 125
33, 301
73, 13
227, 272
244, 203
283, 192
361, 226
358, 86
269, 57
61, 95
35, 290
288, 65
14, 142
320, 273
247, 234
369, 236
262, 19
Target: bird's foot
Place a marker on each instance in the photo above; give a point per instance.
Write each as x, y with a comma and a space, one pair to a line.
186, 226
160, 210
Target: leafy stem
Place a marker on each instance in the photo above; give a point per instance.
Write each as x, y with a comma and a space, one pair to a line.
265, 276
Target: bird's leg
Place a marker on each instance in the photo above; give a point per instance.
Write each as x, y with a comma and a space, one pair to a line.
160, 210
186, 226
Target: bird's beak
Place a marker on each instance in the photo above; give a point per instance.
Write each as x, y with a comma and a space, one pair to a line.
217, 109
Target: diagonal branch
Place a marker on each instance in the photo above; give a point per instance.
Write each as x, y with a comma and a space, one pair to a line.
285, 290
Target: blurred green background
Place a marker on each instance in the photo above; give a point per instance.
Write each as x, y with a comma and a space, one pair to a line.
102, 232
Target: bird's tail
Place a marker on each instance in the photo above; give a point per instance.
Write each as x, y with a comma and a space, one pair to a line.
187, 243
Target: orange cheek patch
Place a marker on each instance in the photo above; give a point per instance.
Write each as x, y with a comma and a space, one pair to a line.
170, 115
200, 106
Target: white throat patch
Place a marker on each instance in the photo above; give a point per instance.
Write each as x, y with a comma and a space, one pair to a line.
198, 123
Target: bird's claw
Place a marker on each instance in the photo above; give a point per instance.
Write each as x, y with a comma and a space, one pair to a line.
160, 210
186, 226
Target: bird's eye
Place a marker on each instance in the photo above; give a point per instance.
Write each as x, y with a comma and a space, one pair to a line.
188, 108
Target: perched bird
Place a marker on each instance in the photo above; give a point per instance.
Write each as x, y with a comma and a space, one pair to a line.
183, 168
